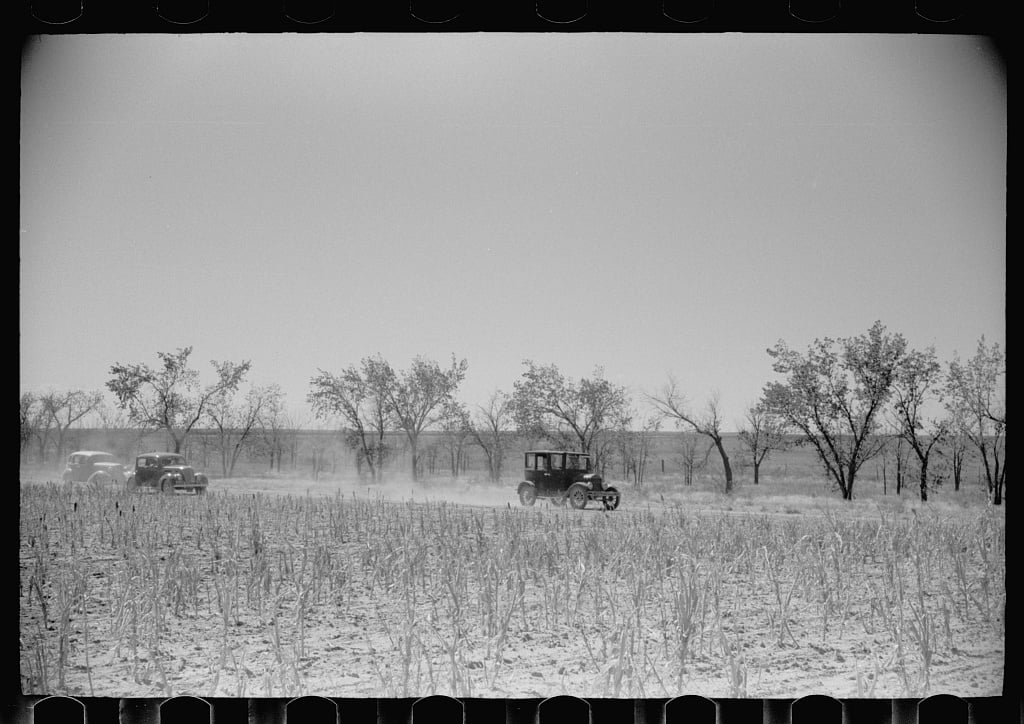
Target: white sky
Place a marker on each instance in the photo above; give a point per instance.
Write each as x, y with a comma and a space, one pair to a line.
649, 203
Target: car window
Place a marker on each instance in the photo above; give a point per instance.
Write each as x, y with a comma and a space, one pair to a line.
556, 461
572, 462
530, 461
542, 462
584, 462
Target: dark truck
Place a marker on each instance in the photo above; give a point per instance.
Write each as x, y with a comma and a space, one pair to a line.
561, 475
166, 472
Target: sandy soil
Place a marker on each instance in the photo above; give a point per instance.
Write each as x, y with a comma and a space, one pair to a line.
354, 647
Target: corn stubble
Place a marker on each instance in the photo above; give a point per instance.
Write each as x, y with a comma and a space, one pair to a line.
290, 595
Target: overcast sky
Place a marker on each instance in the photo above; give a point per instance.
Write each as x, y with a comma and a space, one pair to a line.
651, 204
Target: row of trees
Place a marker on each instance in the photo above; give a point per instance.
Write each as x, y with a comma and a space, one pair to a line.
167, 397
850, 398
846, 398
840, 394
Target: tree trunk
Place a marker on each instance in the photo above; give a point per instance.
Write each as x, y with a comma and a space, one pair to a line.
413, 456
847, 485
924, 482
725, 464
757, 468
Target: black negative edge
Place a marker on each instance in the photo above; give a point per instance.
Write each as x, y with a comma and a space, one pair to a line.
986, 18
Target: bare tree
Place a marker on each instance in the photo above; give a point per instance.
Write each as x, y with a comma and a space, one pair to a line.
65, 409
761, 434
169, 397
835, 397
27, 419
41, 427
274, 425
319, 447
417, 397
634, 439
234, 422
454, 426
894, 455
976, 397
360, 397
546, 404
693, 457
958, 446
488, 427
672, 405
918, 382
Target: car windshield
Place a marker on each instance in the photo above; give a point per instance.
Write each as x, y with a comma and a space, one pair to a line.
104, 458
174, 460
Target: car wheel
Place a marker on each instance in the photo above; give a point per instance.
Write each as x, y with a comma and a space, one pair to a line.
527, 494
578, 496
611, 503
201, 490
130, 485
166, 486
99, 480
65, 478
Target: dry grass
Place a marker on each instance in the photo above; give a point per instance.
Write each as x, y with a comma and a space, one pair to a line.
271, 587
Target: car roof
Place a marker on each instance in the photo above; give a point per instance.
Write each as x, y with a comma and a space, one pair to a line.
158, 454
91, 452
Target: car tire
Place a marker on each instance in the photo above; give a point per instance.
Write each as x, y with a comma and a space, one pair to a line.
166, 486
612, 503
65, 478
99, 480
201, 490
130, 485
577, 496
527, 494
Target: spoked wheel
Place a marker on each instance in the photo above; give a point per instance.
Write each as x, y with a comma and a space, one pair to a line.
612, 502
578, 496
166, 486
527, 494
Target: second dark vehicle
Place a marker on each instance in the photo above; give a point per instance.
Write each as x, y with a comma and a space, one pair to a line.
165, 473
562, 475
94, 467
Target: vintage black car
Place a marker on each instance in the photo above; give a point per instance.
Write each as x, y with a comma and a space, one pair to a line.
94, 467
166, 472
561, 475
